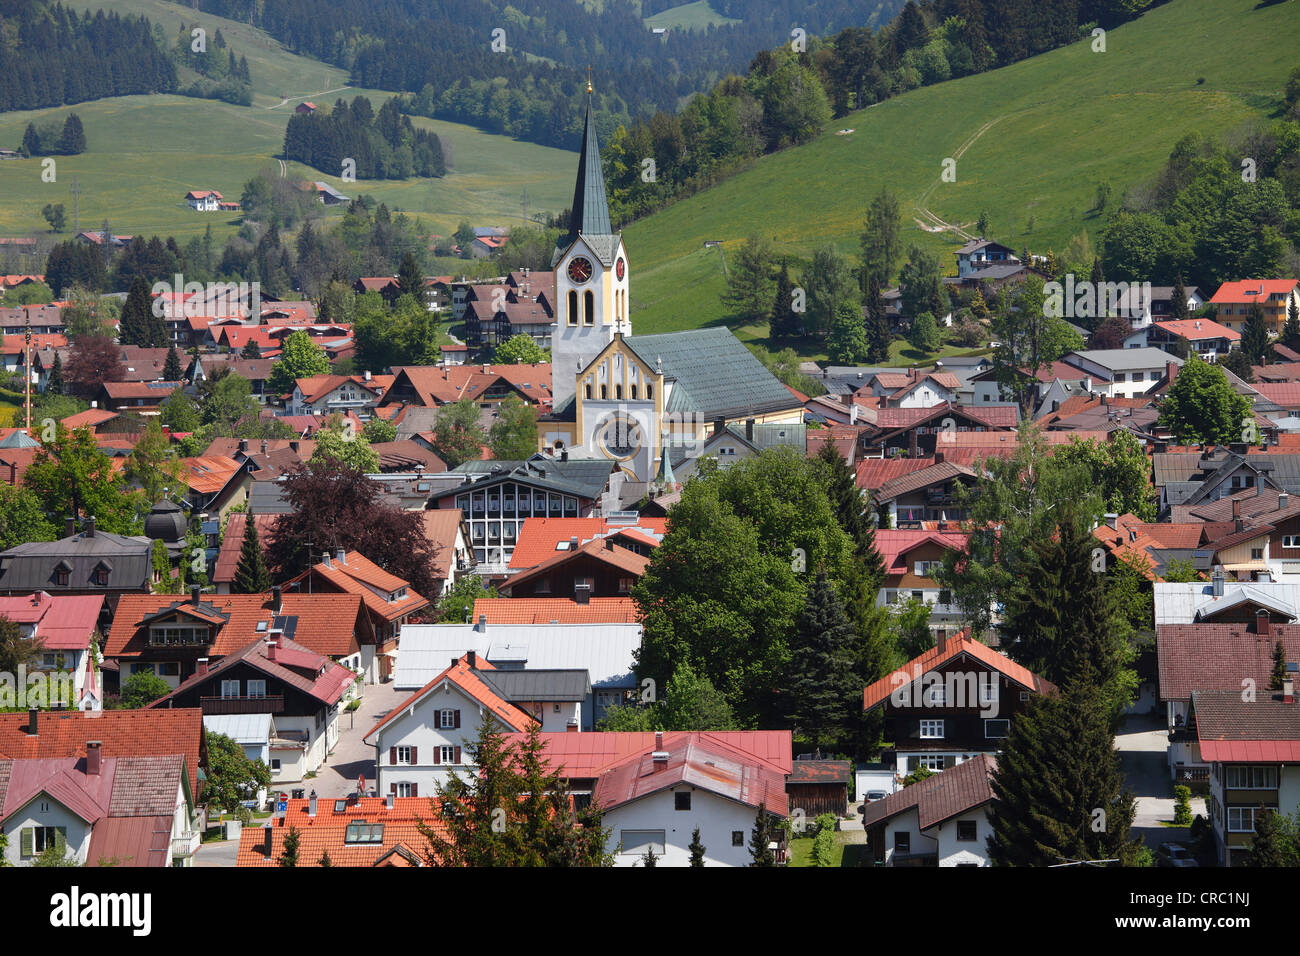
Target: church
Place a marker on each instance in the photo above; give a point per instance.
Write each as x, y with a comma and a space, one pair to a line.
625, 397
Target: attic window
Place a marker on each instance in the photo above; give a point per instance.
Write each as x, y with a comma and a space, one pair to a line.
562, 546
261, 626
340, 806
364, 833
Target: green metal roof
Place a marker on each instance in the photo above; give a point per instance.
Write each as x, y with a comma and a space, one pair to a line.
715, 375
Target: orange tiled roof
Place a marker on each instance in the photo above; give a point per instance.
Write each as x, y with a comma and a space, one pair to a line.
402, 843
357, 574
539, 537
878, 692
609, 610
463, 676
207, 474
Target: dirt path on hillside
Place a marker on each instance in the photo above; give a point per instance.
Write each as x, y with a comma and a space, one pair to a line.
926, 219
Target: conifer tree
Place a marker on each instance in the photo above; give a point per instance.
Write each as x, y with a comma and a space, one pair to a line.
325, 860
409, 278
251, 349
1254, 335
1274, 842
1279, 667
1058, 791
133, 325
1098, 276
649, 860
697, 848
54, 384
760, 837
251, 576
1179, 303
878, 332
1291, 330
172, 371
1060, 619
289, 855
783, 322
822, 692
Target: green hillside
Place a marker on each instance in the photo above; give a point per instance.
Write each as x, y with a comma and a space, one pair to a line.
147, 151
1033, 139
689, 16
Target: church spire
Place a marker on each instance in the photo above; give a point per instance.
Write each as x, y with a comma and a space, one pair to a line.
590, 209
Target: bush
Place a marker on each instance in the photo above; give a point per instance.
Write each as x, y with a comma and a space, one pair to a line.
1182, 806
825, 822
143, 688
823, 848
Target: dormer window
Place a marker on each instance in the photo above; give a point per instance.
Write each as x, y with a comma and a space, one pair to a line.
61, 578
100, 577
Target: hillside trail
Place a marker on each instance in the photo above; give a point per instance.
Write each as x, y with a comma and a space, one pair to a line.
927, 219
303, 96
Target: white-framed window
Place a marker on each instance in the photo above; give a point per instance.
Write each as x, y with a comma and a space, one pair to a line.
403, 756
1242, 819
446, 719
997, 728
257, 688
932, 729
43, 838
936, 695
230, 688
404, 790
275, 765
1291, 540
928, 761
1242, 777
448, 754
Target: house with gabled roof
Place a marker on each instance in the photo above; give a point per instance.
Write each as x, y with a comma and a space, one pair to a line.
302, 690
428, 735
951, 703
923, 495
598, 568
911, 559
173, 637
322, 394
430, 386
89, 561
980, 254
99, 810
64, 626
542, 538
939, 821
556, 610
353, 831
1234, 300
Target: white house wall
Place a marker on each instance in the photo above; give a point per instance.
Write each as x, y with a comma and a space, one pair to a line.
717, 818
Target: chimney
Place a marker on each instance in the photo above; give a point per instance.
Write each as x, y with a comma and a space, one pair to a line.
941, 641
609, 544
1216, 581
1288, 688
1236, 508
69, 527
264, 446
1283, 500
293, 446
90, 526
659, 740
341, 557
277, 598
243, 444
196, 596
482, 623
1171, 371
311, 804
573, 544
93, 757
270, 649
1112, 521
718, 425
749, 429
33, 727
202, 666
571, 727
1262, 623
582, 593
471, 658
325, 559
938, 457
367, 377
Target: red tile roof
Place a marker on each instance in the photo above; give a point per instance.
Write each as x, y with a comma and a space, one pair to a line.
327, 623
539, 537
328, 682
878, 692
123, 733
1247, 291
1207, 657
604, 551
609, 610
894, 545
1194, 329
327, 833
440, 385
582, 756
1231, 730
875, 472
63, 622
357, 574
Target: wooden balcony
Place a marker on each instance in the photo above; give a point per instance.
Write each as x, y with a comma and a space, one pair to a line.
271, 704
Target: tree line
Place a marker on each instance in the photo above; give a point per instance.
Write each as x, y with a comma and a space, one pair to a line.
382, 146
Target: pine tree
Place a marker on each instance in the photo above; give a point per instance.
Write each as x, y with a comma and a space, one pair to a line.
821, 693
172, 371
251, 576
31, 141
1059, 792
1274, 842
1254, 335
697, 848
1060, 619
409, 278
879, 335
1279, 667
1098, 276
1291, 330
783, 322
54, 384
251, 349
760, 837
649, 860
850, 508
289, 855
325, 860
1179, 303
133, 325
73, 139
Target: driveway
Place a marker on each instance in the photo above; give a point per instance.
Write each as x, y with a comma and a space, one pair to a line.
337, 776
1143, 746
220, 853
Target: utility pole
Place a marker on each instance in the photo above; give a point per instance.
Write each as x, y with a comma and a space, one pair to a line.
76, 206
27, 369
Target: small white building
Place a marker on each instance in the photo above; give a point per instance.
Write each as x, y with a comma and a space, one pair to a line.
203, 200
939, 821
1124, 373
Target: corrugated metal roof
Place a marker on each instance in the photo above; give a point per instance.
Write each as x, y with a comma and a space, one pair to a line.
541, 685
605, 651
241, 728
1181, 603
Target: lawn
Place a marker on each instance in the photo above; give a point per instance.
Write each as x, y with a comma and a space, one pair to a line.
1039, 136
850, 850
689, 16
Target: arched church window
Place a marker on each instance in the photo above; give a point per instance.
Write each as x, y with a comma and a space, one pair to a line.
588, 308
588, 390
604, 391
573, 307
634, 391
618, 391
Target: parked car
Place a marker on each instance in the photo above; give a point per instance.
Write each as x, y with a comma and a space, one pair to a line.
1174, 854
876, 795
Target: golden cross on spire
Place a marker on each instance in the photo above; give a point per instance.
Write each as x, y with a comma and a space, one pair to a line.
588, 77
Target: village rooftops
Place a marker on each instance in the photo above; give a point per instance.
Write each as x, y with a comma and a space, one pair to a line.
941, 797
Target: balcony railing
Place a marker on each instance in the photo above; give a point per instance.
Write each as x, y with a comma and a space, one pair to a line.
186, 844
271, 704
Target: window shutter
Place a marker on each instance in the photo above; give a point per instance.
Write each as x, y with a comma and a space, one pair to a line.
456, 757
437, 755
415, 789
392, 788
455, 720
949, 760
29, 841
415, 755
392, 755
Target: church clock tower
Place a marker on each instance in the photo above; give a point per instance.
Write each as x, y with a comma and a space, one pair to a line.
591, 275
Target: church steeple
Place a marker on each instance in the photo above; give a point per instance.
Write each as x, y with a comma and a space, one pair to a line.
590, 207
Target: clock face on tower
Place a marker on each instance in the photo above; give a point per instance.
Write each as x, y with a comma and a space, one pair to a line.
620, 437
620, 268
579, 269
